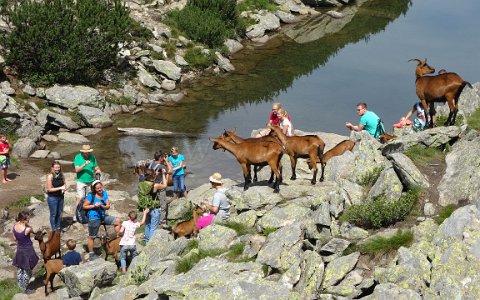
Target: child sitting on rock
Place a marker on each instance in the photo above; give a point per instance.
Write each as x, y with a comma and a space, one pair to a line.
207, 217
127, 243
72, 257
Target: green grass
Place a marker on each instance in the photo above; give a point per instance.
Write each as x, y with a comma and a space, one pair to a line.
444, 213
442, 119
170, 49
197, 60
250, 5
118, 100
187, 262
8, 288
20, 203
239, 228
269, 230
385, 245
369, 179
422, 156
474, 120
235, 251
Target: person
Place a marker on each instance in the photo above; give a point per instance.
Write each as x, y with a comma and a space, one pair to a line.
86, 167
25, 257
72, 257
206, 218
420, 121
56, 187
219, 205
127, 243
369, 121
97, 202
4, 157
178, 163
284, 122
272, 121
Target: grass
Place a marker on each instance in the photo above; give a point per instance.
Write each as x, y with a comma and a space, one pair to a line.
474, 120
197, 60
444, 213
384, 245
235, 251
20, 203
369, 179
250, 5
187, 262
8, 288
422, 156
118, 100
170, 49
269, 230
442, 119
239, 228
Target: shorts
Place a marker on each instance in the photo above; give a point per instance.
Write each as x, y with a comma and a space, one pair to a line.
94, 225
81, 189
6, 164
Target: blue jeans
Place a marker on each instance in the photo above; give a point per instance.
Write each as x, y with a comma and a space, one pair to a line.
55, 205
151, 224
123, 254
178, 183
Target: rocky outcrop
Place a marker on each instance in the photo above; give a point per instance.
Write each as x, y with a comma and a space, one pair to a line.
8, 106
72, 96
46, 117
94, 117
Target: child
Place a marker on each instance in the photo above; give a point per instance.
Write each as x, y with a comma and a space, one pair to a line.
25, 257
127, 243
284, 122
178, 163
4, 157
72, 257
207, 217
420, 121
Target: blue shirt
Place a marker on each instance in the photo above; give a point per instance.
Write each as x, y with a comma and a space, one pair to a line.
93, 213
370, 120
72, 258
175, 163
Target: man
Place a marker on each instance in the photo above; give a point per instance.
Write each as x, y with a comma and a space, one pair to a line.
219, 204
161, 168
369, 121
86, 167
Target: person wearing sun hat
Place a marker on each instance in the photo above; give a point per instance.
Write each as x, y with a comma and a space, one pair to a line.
219, 205
86, 167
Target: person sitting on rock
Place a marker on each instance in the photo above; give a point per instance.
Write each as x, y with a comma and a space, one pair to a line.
219, 205
72, 257
273, 120
206, 218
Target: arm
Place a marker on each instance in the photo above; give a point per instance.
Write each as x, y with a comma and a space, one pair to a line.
80, 167
350, 126
50, 187
404, 121
144, 218
213, 209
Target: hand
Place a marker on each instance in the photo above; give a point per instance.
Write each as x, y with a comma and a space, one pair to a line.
348, 125
147, 210
87, 162
97, 204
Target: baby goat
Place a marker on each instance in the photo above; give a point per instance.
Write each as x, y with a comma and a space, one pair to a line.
186, 228
51, 246
52, 266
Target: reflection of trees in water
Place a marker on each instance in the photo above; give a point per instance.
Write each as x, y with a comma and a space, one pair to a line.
263, 73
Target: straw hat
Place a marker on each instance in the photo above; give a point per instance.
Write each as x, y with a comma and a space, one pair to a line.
86, 148
216, 178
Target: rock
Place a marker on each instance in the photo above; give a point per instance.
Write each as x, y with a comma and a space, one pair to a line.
149, 132
80, 280
179, 60
73, 138
335, 14
468, 102
282, 216
147, 79
285, 17
387, 185
72, 96
266, 22
429, 209
224, 63
253, 245
50, 138
407, 171
45, 117
351, 232
168, 85
23, 147
322, 215
88, 131
27, 89
334, 246
392, 291
338, 268
247, 218
178, 208
127, 292
6, 89
8, 106
252, 199
40, 154
175, 97
312, 269
40, 92
233, 46
168, 69
54, 155
215, 237
30, 130
94, 117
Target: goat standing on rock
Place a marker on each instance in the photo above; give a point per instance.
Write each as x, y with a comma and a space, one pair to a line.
438, 88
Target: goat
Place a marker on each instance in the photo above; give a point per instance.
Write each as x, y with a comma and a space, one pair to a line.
338, 150
438, 88
385, 137
189, 227
51, 246
230, 136
307, 146
111, 246
52, 267
260, 154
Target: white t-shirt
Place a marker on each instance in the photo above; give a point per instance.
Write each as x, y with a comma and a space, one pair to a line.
286, 122
129, 233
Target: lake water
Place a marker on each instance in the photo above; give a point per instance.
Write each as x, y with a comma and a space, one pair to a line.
318, 82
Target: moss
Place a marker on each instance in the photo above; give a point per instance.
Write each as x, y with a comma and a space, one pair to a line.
269, 230
8, 288
384, 245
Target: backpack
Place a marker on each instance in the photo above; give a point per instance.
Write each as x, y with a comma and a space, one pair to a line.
380, 129
81, 213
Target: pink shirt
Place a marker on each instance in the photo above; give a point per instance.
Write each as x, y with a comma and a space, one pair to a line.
129, 233
204, 221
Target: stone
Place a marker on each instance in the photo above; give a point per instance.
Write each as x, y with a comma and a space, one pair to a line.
409, 174
6, 89
392, 291
72, 96
94, 117
73, 138
54, 155
178, 208
8, 106
30, 130
168, 85
429, 209
224, 63
168, 69
179, 60
247, 218
127, 292
252, 199
147, 79
27, 89
388, 185
40, 154
23, 147
282, 216
312, 269
215, 237
285, 17
88, 131
335, 245
233, 46
50, 138
46, 116
337, 269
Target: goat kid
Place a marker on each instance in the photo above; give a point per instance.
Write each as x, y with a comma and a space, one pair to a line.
338, 150
111, 246
187, 228
52, 267
51, 246
438, 88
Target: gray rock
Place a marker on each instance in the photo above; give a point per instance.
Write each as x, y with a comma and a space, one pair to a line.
335, 14
179, 60
88, 131
247, 218
407, 171
338, 268
334, 246
27, 89
73, 138
429, 209
168, 85
72, 96
45, 117
266, 22
94, 117
40, 154
215, 237
312, 269
34, 106
50, 138
224, 63
322, 215
175, 97
388, 185
178, 208
54, 155
233, 46
30, 130
24, 147
351, 232
6, 88
285, 17
168, 69
282, 216
8, 106
252, 199
40, 92
253, 245
147, 79
388, 291
127, 292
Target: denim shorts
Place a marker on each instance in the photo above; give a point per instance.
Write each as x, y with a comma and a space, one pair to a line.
94, 225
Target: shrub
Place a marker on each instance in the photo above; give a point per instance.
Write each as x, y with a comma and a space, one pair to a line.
65, 41
380, 212
250, 5
196, 59
383, 245
444, 213
369, 179
474, 120
421, 156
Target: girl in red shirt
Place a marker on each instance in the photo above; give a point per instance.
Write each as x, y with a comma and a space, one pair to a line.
4, 157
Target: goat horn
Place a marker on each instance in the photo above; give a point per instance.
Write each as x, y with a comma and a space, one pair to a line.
415, 59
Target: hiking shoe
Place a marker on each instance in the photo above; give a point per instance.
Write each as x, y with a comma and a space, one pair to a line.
92, 257
29, 291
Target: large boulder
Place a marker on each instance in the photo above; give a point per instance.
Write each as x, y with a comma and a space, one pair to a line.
74, 138
311, 277
168, 69
409, 174
147, 79
23, 147
46, 116
337, 269
8, 106
30, 130
266, 22
72, 96
233, 46
392, 291
468, 102
254, 198
282, 216
215, 237
224, 63
94, 117
387, 185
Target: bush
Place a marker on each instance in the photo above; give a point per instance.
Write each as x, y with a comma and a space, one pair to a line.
444, 213
250, 5
383, 245
65, 41
380, 212
369, 179
196, 59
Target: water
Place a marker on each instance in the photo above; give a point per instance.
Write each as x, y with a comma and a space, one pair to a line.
319, 83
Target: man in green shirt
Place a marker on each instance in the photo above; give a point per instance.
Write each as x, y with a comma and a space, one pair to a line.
369, 121
86, 167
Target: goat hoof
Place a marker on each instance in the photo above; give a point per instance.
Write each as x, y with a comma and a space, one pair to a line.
313, 182
245, 188
276, 191
293, 178
321, 179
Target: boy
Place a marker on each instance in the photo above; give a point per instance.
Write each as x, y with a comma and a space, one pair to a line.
72, 257
127, 243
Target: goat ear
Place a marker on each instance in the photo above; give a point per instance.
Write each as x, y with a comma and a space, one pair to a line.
235, 129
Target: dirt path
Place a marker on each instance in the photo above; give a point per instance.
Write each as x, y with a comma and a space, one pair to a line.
25, 181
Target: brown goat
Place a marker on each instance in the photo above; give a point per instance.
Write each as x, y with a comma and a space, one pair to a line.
111, 247
338, 150
52, 267
259, 154
385, 137
51, 246
186, 228
438, 88
307, 146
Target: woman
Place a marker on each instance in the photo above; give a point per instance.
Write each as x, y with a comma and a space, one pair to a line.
25, 257
56, 187
284, 122
178, 163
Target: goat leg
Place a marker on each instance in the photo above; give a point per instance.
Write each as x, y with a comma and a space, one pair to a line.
293, 161
314, 178
271, 177
245, 187
255, 178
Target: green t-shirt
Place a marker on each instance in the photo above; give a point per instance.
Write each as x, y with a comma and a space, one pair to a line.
370, 120
87, 174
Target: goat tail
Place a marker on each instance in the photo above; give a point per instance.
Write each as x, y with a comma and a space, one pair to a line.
468, 83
